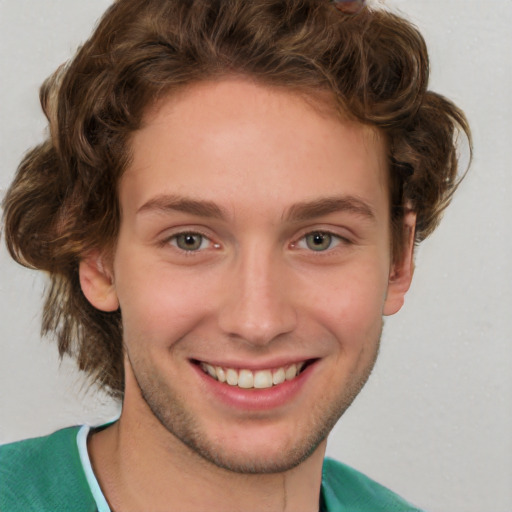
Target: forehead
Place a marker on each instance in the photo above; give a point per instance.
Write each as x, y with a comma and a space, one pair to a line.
242, 144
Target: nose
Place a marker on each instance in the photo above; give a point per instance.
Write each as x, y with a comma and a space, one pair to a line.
258, 305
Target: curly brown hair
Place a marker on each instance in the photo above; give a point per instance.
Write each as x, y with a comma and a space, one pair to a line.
63, 201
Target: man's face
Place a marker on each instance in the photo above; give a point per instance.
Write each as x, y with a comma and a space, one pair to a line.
254, 245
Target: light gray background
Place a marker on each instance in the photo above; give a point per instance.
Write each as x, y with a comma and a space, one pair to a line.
435, 421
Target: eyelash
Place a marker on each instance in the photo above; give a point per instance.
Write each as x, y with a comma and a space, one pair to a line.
173, 240
335, 240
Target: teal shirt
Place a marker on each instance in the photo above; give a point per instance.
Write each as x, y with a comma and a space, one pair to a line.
53, 474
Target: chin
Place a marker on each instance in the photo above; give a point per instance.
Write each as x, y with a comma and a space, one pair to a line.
253, 447
261, 457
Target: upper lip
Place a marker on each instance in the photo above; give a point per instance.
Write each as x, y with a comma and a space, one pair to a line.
255, 365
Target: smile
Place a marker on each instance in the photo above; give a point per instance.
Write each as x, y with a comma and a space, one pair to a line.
248, 379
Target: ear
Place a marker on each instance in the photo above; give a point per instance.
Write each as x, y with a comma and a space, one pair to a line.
97, 282
400, 275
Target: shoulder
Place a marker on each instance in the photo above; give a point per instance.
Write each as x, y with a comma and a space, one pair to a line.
44, 474
344, 488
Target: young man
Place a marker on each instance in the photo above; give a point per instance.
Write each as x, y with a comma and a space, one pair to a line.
227, 207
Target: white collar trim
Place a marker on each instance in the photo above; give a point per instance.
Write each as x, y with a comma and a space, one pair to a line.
81, 439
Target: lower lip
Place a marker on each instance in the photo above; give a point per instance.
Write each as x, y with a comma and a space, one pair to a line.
254, 399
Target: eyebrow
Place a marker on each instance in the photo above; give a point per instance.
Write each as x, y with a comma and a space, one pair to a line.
311, 209
296, 213
200, 208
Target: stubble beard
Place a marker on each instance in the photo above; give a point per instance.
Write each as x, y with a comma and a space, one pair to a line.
182, 424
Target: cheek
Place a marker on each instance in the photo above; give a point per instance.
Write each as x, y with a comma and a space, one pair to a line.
350, 306
159, 307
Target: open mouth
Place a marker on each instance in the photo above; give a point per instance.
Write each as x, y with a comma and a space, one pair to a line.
254, 379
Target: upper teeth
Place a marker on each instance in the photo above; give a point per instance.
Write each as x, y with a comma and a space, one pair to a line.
248, 379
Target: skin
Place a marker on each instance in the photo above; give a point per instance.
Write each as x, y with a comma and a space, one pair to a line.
236, 163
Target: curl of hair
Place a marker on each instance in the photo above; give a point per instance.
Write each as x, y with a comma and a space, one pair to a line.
63, 201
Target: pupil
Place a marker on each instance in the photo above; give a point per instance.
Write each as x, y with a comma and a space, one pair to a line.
319, 241
189, 242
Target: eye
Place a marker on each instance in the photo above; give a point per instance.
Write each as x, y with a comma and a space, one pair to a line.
190, 242
319, 241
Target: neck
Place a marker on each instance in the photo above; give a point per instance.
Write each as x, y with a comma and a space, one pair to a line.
141, 466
